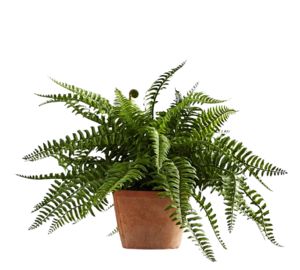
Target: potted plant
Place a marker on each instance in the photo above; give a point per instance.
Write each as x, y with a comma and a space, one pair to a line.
156, 165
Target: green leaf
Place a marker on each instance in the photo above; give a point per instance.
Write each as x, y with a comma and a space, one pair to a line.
119, 175
88, 97
160, 145
207, 208
174, 113
198, 236
231, 198
260, 216
153, 92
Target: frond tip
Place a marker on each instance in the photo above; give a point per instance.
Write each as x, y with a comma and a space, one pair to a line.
198, 236
260, 216
113, 232
153, 92
211, 216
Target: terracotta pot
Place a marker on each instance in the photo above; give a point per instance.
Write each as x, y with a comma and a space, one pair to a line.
142, 221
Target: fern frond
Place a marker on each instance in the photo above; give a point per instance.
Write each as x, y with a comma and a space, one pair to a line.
229, 153
91, 178
231, 198
187, 183
79, 105
86, 139
52, 98
119, 175
252, 164
177, 183
88, 97
261, 215
53, 191
186, 121
168, 181
71, 202
129, 112
211, 216
113, 232
176, 111
212, 119
160, 145
177, 180
52, 209
109, 207
248, 212
197, 235
262, 182
153, 92
84, 111
49, 176
193, 89
178, 98
73, 214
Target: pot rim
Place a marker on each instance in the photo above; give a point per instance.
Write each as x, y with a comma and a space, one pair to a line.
138, 193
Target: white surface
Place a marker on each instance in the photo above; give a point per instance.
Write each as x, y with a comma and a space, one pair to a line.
246, 51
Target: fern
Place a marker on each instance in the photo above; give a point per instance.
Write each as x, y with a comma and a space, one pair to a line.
49, 176
60, 203
88, 97
197, 235
231, 197
119, 175
252, 164
161, 146
168, 181
113, 232
179, 153
211, 120
187, 183
177, 180
261, 215
174, 113
153, 92
81, 140
211, 216
77, 105
130, 113
74, 214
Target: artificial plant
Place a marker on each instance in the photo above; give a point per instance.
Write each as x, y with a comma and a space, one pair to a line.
179, 152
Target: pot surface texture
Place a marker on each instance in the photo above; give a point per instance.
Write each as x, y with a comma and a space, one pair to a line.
143, 222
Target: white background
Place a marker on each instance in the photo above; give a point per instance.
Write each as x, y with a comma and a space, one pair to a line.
244, 51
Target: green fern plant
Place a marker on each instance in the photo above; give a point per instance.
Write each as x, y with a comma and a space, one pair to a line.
179, 152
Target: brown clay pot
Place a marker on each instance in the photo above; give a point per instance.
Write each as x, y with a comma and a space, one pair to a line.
142, 221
